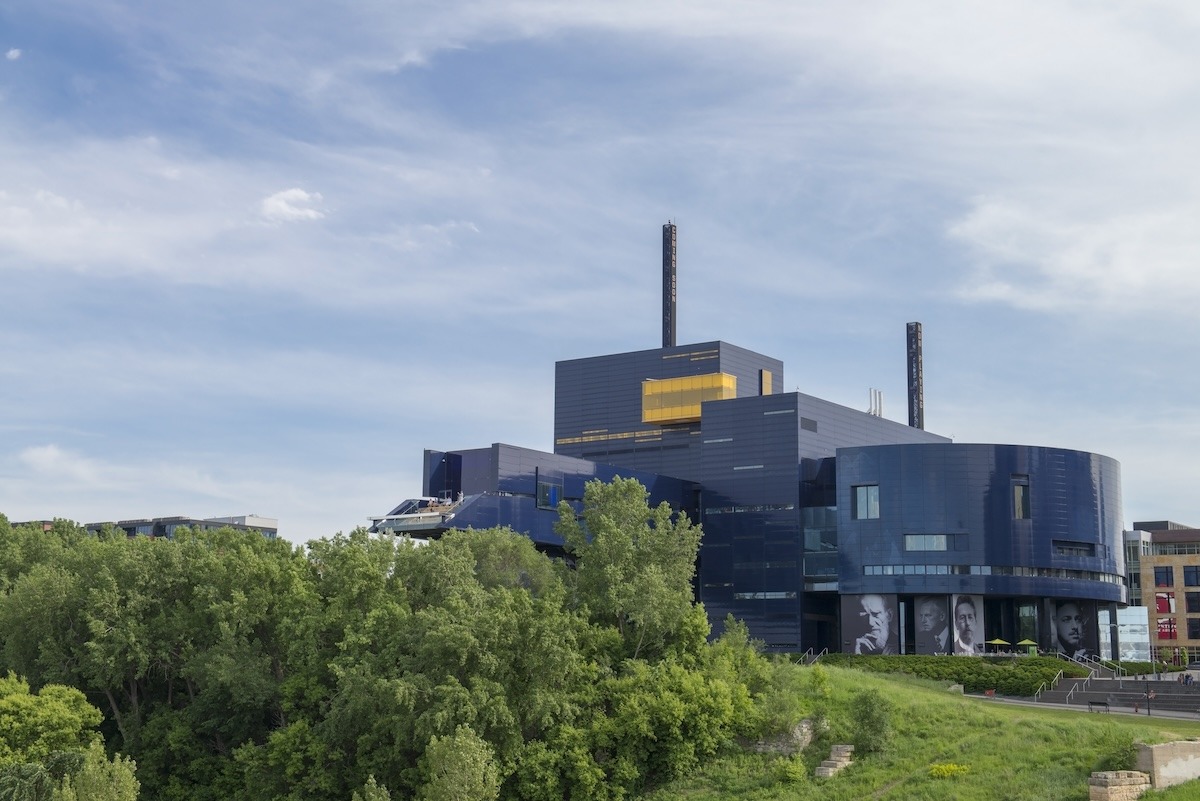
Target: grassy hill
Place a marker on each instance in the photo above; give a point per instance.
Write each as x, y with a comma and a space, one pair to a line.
942, 745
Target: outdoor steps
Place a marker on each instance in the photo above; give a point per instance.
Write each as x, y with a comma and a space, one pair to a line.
840, 757
1125, 694
1103, 671
1062, 693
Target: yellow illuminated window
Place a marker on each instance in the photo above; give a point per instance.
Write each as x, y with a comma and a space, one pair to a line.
764, 382
677, 400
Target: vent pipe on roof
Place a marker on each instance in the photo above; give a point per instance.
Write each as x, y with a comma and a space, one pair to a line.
668, 296
916, 378
876, 409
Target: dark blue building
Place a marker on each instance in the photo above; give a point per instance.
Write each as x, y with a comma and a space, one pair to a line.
824, 526
504, 485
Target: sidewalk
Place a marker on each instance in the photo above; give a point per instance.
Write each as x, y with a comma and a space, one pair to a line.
1115, 710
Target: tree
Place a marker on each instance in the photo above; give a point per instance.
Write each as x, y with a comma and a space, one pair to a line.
100, 779
49, 752
459, 768
33, 726
184, 643
634, 565
372, 791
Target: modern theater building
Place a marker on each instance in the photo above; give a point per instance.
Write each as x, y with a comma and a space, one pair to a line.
824, 526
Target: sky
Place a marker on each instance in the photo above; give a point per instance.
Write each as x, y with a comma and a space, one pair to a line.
256, 257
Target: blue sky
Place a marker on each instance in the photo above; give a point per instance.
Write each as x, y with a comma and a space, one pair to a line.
255, 257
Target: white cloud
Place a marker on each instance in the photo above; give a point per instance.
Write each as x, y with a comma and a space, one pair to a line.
1035, 256
53, 464
13, 54
426, 236
290, 205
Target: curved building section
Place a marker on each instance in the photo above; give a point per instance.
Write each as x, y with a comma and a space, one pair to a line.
1023, 543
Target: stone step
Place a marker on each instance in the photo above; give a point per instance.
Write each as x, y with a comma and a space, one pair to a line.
840, 757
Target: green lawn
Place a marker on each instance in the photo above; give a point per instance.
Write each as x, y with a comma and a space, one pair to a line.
986, 749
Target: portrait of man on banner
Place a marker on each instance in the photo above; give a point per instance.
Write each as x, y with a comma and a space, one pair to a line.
968, 625
933, 625
870, 624
1071, 629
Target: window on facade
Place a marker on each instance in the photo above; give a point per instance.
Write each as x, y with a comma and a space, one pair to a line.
548, 495
1020, 497
925, 542
865, 502
1164, 602
1166, 629
1193, 624
1192, 601
1191, 575
1164, 577
1070, 548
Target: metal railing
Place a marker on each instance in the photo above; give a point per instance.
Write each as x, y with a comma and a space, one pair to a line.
1115, 667
1042, 687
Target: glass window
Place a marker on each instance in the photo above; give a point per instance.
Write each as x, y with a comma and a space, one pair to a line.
1193, 624
1164, 577
1192, 599
548, 495
1020, 497
1069, 548
1191, 575
1166, 628
924, 542
865, 502
1164, 602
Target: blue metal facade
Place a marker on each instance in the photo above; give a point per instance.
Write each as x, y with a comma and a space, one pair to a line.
1025, 531
767, 474
1069, 544
818, 517
598, 404
509, 486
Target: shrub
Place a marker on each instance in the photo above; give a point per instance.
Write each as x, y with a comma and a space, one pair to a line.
946, 770
871, 715
819, 677
1117, 751
792, 770
1015, 676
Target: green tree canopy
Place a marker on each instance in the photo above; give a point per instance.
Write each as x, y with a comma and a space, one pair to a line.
459, 767
49, 750
35, 725
236, 668
633, 565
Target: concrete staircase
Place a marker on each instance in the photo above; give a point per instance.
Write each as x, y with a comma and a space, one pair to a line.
1125, 694
840, 757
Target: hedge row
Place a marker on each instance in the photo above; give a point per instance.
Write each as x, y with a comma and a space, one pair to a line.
1013, 676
